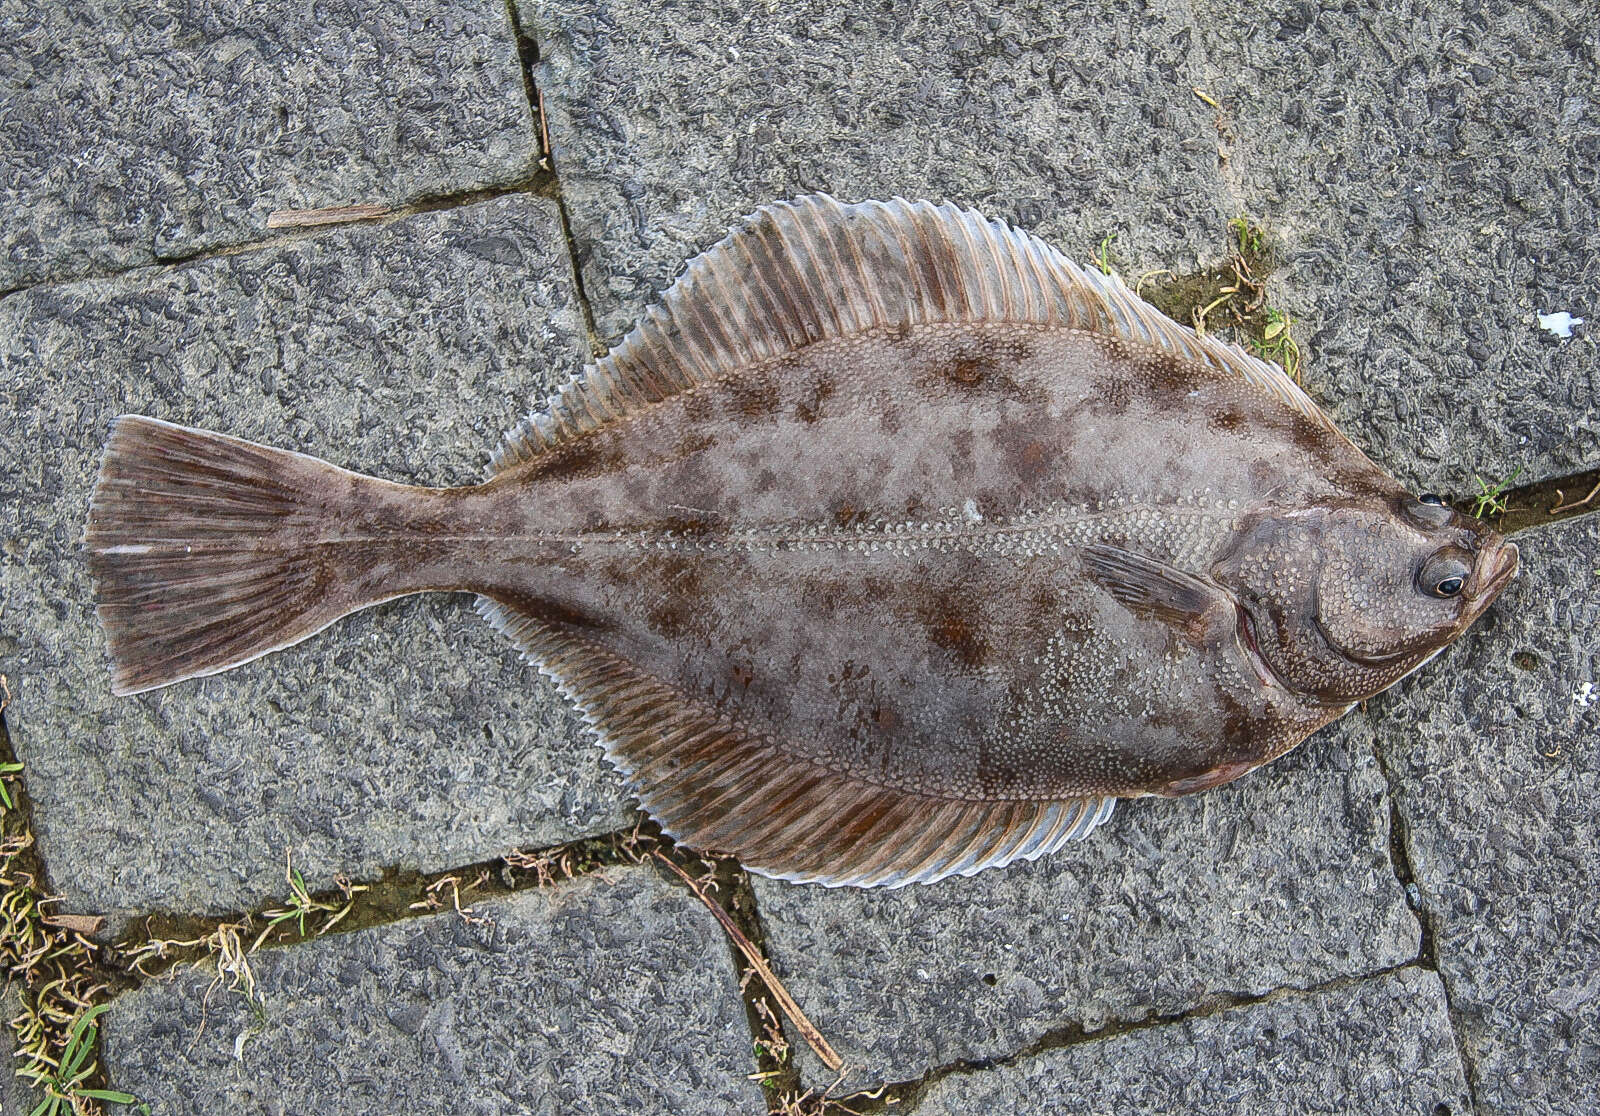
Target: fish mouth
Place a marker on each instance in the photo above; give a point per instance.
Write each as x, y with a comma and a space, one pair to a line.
1496, 566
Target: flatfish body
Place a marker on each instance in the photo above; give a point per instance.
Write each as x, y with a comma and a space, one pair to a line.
892, 545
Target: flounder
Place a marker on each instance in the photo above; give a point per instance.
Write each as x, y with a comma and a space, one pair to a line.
891, 545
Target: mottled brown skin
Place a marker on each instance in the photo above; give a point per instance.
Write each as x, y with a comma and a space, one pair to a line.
874, 550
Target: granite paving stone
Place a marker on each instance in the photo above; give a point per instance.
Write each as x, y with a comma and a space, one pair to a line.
667, 124
1427, 174
1281, 879
408, 735
1497, 763
1381, 1047
613, 994
1433, 173
136, 130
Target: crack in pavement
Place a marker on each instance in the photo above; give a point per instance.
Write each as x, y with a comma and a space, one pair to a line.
1400, 860
539, 182
528, 53
904, 1096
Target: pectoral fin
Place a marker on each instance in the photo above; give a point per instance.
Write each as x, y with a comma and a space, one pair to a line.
1153, 590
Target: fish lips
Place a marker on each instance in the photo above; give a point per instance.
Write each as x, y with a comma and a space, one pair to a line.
1497, 564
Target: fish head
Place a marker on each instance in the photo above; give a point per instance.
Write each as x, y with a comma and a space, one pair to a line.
1341, 601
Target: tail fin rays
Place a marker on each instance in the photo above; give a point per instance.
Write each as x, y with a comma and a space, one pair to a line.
198, 546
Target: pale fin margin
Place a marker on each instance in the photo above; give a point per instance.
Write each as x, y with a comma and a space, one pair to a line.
714, 786
799, 272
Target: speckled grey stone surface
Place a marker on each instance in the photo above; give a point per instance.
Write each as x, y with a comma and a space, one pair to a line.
1431, 171
1280, 879
1075, 121
409, 734
614, 994
1429, 175
1497, 760
1382, 1047
135, 130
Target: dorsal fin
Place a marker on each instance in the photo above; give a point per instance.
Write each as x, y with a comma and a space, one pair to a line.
714, 785
813, 269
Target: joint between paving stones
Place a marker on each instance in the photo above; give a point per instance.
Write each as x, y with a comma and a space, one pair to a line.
528, 54
540, 183
1540, 503
1400, 860
168, 940
904, 1097
771, 1037
52, 960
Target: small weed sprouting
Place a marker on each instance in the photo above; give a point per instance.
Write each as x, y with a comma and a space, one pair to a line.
1102, 256
1490, 500
1277, 342
1233, 296
302, 905
56, 965
1251, 239
66, 1083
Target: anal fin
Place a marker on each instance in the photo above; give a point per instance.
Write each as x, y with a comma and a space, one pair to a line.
716, 785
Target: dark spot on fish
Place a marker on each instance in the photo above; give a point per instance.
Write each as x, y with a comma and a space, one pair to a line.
952, 630
846, 514
809, 409
885, 719
677, 591
889, 420
693, 441
551, 612
966, 370
753, 395
1227, 418
1033, 461
1308, 436
699, 406
766, 481
586, 457
1238, 725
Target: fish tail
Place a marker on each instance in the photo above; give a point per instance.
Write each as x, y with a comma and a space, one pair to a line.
205, 550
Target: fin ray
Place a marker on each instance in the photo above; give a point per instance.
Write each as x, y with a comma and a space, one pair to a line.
796, 273
713, 784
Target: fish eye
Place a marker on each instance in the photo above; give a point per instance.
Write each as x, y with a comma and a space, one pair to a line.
1444, 574
1428, 510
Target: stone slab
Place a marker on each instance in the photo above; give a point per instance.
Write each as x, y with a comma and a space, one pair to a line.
1497, 757
1431, 170
1428, 174
134, 130
613, 994
1382, 1046
1076, 121
1281, 879
410, 734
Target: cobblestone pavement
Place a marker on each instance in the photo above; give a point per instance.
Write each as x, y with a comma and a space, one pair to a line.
1400, 916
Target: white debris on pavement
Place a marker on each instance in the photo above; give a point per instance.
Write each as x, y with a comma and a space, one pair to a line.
1559, 324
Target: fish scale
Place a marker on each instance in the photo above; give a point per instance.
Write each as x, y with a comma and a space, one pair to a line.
890, 545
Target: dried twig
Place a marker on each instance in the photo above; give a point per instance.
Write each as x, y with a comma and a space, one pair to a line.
1560, 507
806, 1028
332, 215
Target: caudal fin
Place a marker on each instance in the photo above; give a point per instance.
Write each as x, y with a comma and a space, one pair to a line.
198, 547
